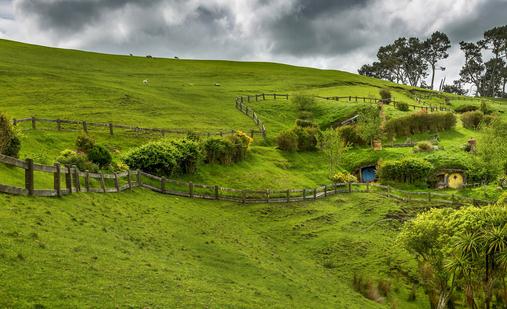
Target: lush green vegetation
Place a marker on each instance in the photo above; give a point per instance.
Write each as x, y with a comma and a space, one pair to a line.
143, 249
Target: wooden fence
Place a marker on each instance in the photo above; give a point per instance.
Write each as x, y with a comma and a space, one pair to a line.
110, 127
429, 108
69, 179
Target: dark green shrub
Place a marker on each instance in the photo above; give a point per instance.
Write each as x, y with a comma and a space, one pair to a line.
305, 123
420, 122
84, 142
423, 146
189, 155
472, 120
10, 144
350, 136
307, 138
303, 103
402, 106
99, 155
287, 141
159, 158
70, 157
385, 95
466, 108
409, 170
218, 150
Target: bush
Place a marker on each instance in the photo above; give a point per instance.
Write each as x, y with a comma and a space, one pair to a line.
420, 122
305, 123
485, 108
343, 177
385, 95
402, 106
157, 158
305, 115
424, 146
218, 150
409, 170
466, 108
305, 138
70, 157
304, 103
84, 143
350, 136
472, 120
287, 141
227, 150
99, 155
10, 144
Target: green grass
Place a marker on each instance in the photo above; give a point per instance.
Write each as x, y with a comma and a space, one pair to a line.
142, 249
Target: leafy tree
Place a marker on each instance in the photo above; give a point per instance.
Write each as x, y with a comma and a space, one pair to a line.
10, 143
434, 49
368, 123
455, 88
473, 69
492, 146
333, 147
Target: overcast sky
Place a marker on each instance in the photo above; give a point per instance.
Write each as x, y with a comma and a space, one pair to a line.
331, 34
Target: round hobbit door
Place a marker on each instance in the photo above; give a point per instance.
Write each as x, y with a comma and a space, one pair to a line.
455, 181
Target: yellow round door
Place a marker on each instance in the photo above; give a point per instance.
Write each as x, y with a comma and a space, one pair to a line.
455, 180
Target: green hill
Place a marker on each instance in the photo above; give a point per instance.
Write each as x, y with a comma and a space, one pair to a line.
141, 249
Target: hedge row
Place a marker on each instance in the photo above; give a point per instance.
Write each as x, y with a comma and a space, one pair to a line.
420, 122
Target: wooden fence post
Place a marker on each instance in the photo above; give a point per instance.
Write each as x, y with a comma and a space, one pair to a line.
263, 97
34, 126
335, 188
243, 196
304, 194
216, 193
129, 179
85, 127
350, 187
138, 179
315, 194
274, 96
116, 182
102, 182
162, 184
111, 128
87, 181
429, 196
14, 122
57, 179
68, 179
325, 190
77, 184
367, 187
58, 125
288, 196
252, 133
190, 189
29, 186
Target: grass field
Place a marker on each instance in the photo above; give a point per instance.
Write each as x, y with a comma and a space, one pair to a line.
141, 249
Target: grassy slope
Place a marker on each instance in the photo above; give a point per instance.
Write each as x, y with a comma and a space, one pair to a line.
92, 250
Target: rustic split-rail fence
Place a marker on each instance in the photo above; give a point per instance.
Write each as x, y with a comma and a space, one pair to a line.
69, 179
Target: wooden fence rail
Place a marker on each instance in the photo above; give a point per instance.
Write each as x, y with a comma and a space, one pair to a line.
69, 179
82, 125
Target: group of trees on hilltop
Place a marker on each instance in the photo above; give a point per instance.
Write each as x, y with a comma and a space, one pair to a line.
411, 61
408, 61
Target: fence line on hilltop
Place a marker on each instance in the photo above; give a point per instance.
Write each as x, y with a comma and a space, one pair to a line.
85, 126
69, 179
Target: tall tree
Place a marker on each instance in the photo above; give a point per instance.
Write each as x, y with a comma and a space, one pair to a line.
434, 49
474, 68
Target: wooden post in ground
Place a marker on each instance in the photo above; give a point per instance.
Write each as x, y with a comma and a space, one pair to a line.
68, 179
190, 189
34, 126
252, 133
243, 196
129, 179
162, 184
14, 122
77, 184
304, 194
85, 127
102, 182
263, 97
111, 132
325, 190
288, 196
216, 192
274, 96
138, 179
57, 179
87, 181
58, 125
315, 194
429, 196
367, 187
116, 182
29, 186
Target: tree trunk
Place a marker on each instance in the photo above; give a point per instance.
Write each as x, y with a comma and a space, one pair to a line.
432, 75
